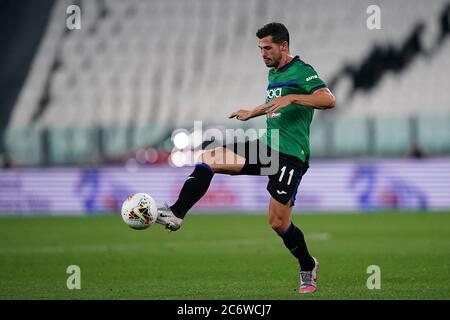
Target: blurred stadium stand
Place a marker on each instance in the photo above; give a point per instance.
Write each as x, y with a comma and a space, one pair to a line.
139, 69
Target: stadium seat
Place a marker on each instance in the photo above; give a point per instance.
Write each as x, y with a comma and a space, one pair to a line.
173, 62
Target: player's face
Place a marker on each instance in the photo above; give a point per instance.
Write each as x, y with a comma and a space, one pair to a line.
270, 51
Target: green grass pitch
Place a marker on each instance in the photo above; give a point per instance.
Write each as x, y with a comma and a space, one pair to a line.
224, 257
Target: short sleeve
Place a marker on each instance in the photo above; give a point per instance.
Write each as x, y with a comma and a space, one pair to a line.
309, 80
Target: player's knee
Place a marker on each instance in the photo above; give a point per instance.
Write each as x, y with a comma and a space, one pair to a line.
213, 159
208, 158
278, 225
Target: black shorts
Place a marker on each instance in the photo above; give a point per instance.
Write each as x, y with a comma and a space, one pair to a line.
284, 171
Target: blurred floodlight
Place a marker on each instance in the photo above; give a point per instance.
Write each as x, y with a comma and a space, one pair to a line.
180, 139
152, 155
178, 159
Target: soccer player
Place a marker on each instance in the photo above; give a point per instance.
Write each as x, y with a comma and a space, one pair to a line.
294, 91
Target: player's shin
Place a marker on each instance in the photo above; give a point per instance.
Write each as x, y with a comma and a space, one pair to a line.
295, 241
193, 189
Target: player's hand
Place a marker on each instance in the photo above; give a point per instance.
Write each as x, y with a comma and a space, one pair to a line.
242, 115
278, 103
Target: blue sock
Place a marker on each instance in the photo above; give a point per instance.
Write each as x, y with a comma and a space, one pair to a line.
295, 241
193, 189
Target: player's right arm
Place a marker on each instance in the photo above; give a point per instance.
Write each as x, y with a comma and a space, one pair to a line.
244, 114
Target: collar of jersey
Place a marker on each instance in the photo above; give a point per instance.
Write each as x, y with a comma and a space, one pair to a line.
286, 66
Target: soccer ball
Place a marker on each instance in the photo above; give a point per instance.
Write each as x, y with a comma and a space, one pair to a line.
139, 211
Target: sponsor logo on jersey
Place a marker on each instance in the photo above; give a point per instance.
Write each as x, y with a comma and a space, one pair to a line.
311, 77
273, 93
274, 114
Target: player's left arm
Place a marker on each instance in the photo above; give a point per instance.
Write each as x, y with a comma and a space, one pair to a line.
321, 98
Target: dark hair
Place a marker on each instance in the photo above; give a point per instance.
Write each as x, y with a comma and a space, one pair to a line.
277, 30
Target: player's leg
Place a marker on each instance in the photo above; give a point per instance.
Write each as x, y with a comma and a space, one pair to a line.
280, 221
219, 160
283, 188
223, 160
294, 240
